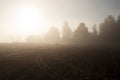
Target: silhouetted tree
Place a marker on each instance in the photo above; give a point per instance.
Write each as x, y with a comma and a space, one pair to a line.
118, 21
108, 28
81, 33
52, 36
93, 35
66, 32
95, 30
118, 28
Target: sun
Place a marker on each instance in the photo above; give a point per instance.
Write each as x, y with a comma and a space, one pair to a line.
30, 20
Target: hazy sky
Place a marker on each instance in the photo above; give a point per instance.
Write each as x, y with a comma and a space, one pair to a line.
57, 11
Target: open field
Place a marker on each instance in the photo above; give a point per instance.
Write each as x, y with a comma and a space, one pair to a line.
57, 62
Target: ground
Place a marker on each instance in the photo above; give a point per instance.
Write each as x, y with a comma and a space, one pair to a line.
58, 62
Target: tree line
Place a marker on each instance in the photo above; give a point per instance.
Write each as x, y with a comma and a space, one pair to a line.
108, 33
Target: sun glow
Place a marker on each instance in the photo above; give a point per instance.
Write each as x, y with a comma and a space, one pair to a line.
29, 20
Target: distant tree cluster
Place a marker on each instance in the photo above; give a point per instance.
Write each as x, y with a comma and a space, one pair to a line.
110, 29
108, 33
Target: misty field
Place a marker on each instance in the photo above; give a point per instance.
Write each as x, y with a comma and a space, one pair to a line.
58, 62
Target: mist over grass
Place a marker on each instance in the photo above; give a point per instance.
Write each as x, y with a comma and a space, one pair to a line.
58, 62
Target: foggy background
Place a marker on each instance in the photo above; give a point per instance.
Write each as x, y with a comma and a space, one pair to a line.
57, 11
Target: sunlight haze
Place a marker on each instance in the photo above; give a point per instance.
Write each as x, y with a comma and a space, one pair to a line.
20, 18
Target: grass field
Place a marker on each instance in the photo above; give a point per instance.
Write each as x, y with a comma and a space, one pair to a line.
58, 62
